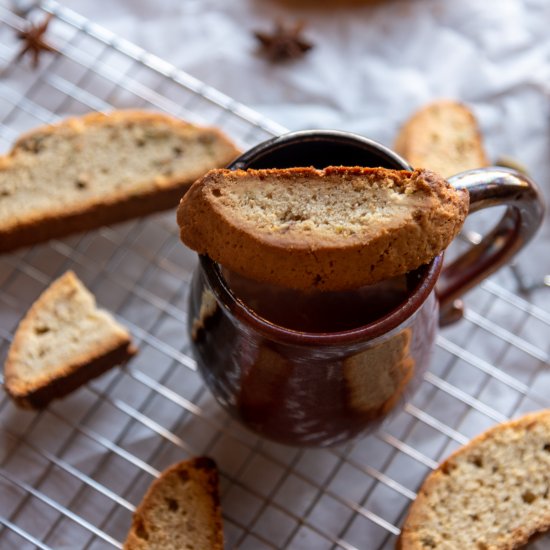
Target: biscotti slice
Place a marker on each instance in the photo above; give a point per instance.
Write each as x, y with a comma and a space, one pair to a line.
63, 341
331, 229
180, 511
492, 494
100, 169
443, 136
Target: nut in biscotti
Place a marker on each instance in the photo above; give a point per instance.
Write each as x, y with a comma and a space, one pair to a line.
331, 229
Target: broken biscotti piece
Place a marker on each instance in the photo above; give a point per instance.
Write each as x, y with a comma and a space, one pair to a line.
181, 510
331, 229
100, 169
443, 136
492, 494
63, 341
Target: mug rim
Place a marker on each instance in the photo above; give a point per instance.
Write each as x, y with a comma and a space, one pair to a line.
273, 144
385, 324
273, 331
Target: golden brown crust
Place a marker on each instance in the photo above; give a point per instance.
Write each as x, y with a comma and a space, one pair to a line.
77, 124
305, 260
89, 217
62, 385
202, 472
37, 391
162, 194
417, 514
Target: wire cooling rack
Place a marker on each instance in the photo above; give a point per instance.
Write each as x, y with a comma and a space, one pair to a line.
71, 475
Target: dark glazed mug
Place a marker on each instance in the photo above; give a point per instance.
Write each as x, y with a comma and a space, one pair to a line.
321, 368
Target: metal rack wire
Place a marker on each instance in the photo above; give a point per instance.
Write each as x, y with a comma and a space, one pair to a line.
72, 474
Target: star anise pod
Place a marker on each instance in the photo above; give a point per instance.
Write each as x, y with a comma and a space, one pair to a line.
33, 41
284, 43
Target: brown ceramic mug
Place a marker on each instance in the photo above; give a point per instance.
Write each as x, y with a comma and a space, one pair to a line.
320, 368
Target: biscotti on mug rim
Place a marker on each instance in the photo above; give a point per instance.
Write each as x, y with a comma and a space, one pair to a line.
332, 229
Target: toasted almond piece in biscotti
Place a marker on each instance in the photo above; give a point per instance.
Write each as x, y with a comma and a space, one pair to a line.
63, 341
443, 136
100, 169
492, 494
331, 229
180, 511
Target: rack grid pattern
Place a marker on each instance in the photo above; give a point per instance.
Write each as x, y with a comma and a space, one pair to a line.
73, 473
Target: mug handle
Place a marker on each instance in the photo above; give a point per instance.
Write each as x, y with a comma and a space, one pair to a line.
489, 187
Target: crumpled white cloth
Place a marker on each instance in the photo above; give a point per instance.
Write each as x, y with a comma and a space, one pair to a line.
372, 65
